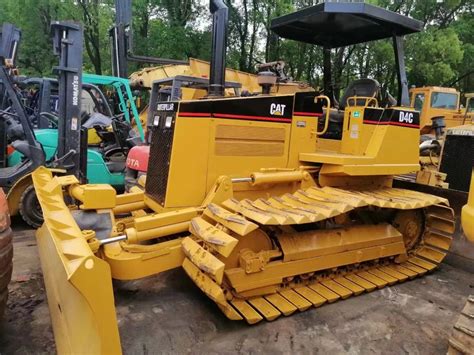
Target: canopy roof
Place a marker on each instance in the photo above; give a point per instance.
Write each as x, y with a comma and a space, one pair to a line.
337, 24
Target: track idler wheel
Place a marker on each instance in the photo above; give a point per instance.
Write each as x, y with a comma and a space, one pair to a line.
410, 223
255, 242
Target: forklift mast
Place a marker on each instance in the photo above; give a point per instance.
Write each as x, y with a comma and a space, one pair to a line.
9, 41
121, 36
44, 102
29, 145
67, 43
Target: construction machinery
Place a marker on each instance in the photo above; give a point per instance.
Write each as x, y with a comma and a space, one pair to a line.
434, 102
265, 215
182, 87
462, 338
40, 97
449, 176
113, 126
122, 51
200, 69
11, 107
123, 102
177, 80
105, 150
6, 252
446, 163
115, 115
457, 156
9, 42
447, 156
9, 39
163, 90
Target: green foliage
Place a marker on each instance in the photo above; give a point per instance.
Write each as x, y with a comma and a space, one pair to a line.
441, 55
434, 56
33, 17
464, 27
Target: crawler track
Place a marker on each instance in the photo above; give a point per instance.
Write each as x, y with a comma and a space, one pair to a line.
462, 338
261, 294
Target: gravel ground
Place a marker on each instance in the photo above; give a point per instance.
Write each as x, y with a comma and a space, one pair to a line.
168, 314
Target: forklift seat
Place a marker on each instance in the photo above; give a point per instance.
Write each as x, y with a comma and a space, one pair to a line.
116, 166
96, 119
361, 87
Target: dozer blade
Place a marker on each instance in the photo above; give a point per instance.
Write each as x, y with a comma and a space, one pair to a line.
461, 340
78, 284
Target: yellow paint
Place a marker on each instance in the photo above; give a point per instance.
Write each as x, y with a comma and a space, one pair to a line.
467, 217
135, 237
199, 68
453, 117
217, 239
82, 314
93, 138
204, 260
237, 189
327, 115
94, 196
189, 158
15, 192
134, 261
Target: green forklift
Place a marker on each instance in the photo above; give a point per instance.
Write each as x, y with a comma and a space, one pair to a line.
55, 138
113, 125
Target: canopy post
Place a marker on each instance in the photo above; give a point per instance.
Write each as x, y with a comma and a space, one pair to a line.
327, 75
403, 97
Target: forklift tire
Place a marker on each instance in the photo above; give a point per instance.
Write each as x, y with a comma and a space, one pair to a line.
6, 267
30, 208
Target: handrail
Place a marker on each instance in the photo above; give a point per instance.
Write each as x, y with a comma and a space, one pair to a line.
328, 107
367, 99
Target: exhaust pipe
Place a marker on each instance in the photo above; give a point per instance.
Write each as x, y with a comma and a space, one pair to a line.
220, 20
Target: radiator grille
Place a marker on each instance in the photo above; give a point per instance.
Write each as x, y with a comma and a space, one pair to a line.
160, 155
458, 160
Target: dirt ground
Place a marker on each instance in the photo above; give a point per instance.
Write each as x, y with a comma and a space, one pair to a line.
168, 314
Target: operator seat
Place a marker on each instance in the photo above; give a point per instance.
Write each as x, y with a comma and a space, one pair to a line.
96, 119
362, 87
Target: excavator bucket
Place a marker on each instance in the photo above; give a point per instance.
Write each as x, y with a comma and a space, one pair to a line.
78, 284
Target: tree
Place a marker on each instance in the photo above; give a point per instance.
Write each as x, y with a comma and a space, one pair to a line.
464, 27
441, 55
90, 19
434, 57
34, 19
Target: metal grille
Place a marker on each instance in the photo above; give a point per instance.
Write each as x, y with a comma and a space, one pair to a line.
458, 170
159, 160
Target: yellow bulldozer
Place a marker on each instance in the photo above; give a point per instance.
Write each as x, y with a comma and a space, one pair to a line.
462, 338
272, 204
